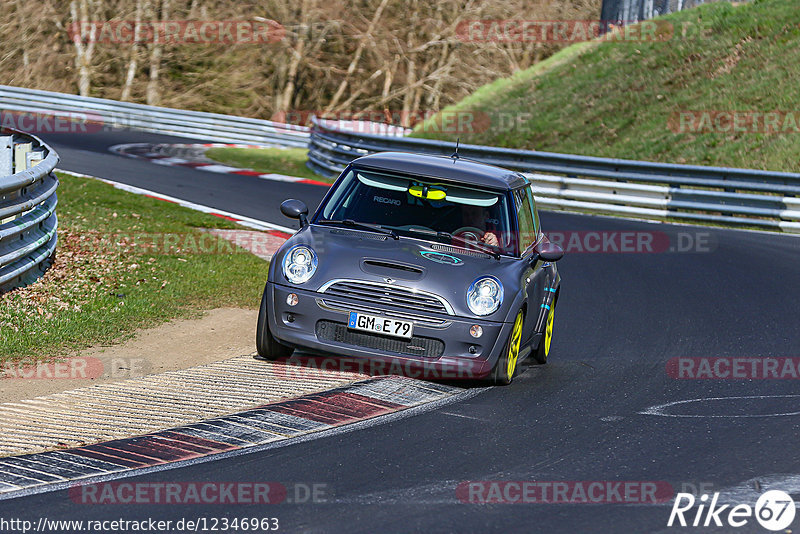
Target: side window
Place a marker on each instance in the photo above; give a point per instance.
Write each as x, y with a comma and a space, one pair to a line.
536, 227
527, 228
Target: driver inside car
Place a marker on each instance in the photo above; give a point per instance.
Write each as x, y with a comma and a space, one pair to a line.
476, 218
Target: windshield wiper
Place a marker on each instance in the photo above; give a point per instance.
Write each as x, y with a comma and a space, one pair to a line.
480, 245
350, 223
443, 236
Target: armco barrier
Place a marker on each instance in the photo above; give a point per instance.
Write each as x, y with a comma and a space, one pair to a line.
27, 208
101, 113
719, 195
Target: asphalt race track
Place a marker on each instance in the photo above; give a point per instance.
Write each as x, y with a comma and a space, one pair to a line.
620, 319
243, 195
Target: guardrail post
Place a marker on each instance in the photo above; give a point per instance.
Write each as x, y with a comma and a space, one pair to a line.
6, 155
33, 157
6, 162
21, 151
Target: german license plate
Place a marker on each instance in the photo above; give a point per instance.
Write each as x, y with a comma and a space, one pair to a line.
380, 325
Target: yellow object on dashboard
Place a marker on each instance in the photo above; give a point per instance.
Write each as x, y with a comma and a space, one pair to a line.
427, 192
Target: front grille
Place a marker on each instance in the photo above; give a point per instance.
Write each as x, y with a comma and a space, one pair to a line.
416, 346
375, 294
347, 307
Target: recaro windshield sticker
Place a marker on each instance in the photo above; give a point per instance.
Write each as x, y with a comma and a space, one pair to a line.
384, 200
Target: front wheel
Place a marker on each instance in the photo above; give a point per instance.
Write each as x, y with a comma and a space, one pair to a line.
543, 350
267, 346
503, 372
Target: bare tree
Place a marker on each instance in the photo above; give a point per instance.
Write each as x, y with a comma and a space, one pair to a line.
153, 96
134, 55
405, 57
84, 35
365, 39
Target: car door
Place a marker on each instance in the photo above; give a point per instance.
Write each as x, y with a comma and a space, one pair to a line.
534, 276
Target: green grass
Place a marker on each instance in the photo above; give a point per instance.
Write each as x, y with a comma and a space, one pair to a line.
616, 99
288, 161
103, 286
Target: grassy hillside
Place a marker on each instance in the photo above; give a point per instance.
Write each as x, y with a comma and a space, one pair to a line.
622, 99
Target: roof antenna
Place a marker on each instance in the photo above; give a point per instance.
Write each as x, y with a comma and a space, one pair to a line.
455, 155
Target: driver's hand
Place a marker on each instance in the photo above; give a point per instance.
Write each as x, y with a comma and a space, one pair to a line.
490, 239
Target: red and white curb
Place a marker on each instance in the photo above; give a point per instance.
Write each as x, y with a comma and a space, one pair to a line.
257, 427
273, 229
151, 153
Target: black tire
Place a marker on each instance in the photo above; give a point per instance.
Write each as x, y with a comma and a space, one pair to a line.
543, 350
267, 346
506, 366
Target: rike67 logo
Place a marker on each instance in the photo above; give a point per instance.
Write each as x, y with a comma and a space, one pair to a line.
774, 510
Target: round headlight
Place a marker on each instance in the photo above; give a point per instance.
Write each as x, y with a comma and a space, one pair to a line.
299, 264
485, 295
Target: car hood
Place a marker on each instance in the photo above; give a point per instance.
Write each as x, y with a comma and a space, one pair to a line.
346, 254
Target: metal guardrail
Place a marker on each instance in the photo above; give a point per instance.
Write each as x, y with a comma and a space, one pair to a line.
99, 113
719, 195
28, 201
632, 11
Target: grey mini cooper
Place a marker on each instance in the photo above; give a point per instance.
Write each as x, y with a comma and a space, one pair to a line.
432, 266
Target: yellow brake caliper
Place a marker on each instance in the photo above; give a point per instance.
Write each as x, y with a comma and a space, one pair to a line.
548, 333
513, 349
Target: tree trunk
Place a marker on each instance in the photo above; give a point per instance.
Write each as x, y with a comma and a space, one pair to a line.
389, 73
133, 62
83, 51
291, 75
408, 97
153, 94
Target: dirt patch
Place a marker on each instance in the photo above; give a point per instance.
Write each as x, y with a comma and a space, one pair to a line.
220, 334
729, 62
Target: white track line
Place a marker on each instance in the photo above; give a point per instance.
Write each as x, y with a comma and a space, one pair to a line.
160, 159
241, 219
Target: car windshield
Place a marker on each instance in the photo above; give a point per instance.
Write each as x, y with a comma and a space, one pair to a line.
424, 209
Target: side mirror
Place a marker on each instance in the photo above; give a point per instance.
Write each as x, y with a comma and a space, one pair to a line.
295, 209
548, 251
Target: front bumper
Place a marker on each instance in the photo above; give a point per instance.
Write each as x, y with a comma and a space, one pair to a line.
442, 346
